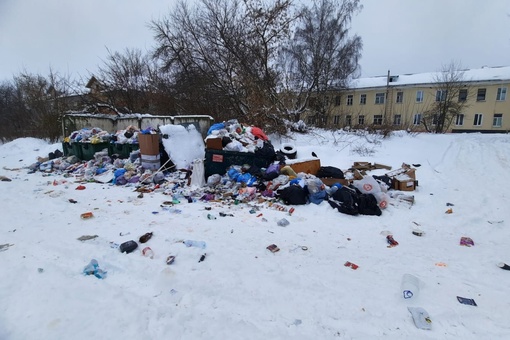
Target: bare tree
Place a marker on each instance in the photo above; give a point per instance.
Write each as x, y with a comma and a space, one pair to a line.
230, 48
33, 105
128, 81
322, 56
451, 93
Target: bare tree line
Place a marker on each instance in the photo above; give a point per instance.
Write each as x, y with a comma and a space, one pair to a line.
265, 63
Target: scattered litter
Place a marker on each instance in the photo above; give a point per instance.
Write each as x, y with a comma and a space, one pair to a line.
72, 201
304, 248
441, 264
202, 258
5, 179
449, 211
420, 317
87, 215
283, 222
114, 245
391, 241
222, 214
80, 187
93, 269
170, 259
40, 270
466, 241
449, 204
4, 247
124, 234
352, 265
128, 247
466, 301
273, 248
504, 266
147, 252
418, 232
86, 237
211, 217
146, 237
198, 244
495, 222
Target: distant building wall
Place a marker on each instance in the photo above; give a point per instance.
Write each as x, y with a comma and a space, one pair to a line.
400, 105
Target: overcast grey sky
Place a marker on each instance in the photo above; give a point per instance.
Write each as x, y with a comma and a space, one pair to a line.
404, 36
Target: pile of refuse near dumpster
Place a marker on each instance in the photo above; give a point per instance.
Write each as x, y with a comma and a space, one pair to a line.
368, 195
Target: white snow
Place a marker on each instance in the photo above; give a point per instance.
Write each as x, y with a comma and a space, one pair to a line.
243, 291
488, 74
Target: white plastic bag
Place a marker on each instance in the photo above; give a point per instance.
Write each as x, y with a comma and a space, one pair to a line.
367, 185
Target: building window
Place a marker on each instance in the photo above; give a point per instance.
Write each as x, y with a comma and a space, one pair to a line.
348, 120
379, 98
501, 94
336, 119
400, 97
361, 120
463, 95
419, 96
459, 119
397, 119
350, 98
478, 119
363, 99
497, 120
377, 119
417, 119
480, 96
441, 95
337, 101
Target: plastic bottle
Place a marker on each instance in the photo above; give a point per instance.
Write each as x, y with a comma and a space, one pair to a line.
410, 286
211, 217
198, 244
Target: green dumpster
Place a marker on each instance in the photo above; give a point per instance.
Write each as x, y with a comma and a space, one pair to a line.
122, 150
218, 161
89, 149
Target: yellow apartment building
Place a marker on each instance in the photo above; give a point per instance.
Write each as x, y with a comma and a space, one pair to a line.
400, 101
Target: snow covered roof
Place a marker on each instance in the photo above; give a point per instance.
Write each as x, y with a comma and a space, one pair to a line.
498, 73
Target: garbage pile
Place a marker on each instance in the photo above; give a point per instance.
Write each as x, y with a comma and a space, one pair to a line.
233, 136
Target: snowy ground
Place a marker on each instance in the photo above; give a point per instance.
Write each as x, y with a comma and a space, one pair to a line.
243, 291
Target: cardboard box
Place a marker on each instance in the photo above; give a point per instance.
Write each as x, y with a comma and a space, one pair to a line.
329, 181
149, 144
405, 185
309, 166
214, 144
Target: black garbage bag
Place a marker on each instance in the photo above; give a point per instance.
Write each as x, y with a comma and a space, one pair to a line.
294, 195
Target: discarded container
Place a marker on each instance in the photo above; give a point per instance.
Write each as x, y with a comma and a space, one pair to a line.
273, 248
410, 286
211, 217
146, 237
128, 247
87, 215
170, 259
147, 252
202, 258
198, 244
283, 222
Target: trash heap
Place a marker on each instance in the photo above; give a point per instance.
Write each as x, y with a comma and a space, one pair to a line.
233, 136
